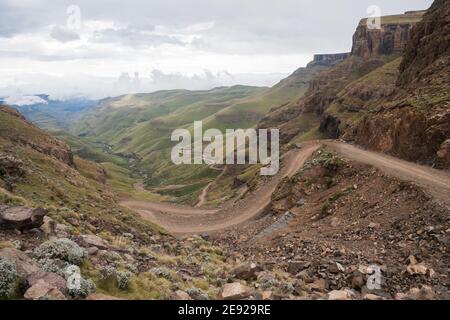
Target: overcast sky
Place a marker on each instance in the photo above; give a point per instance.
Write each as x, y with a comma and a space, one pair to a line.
45, 48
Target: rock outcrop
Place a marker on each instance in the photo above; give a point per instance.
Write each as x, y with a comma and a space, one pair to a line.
392, 36
328, 59
414, 123
42, 290
235, 291
21, 218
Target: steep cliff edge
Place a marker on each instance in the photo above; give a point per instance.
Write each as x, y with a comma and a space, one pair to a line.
290, 118
414, 122
378, 98
391, 37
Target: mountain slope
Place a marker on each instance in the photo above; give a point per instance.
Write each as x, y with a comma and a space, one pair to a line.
379, 99
42, 171
50, 114
119, 254
139, 126
414, 122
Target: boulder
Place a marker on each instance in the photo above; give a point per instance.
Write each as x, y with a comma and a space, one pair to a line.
21, 218
295, 267
318, 285
235, 291
25, 265
50, 278
94, 241
43, 290
246, 271
418, 268
92, 251
341, 295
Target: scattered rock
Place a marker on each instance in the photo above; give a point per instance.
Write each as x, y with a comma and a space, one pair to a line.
336, 268
317, 285
266, 280
52, 279
370, 296
246, 271
374, 225
341, 295
419, 268
180, 295
295, 267
267, 295
358, 281
92, 251
21, 218
94, 241
235, 291
25, 265
43, 290
424, 293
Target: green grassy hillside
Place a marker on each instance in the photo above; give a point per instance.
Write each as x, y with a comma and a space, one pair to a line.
138, 127
39, 170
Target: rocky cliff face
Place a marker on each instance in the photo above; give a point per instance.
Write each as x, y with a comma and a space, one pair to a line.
379, 99
285, 116
328, 59
427, 54
392, 37
414, 123
312, 77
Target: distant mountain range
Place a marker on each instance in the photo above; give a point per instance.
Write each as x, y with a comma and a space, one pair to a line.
48, 113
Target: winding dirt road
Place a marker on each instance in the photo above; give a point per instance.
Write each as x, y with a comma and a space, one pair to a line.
193, 220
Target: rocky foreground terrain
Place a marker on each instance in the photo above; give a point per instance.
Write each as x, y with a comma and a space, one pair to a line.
335, 219
338, 229
328, 226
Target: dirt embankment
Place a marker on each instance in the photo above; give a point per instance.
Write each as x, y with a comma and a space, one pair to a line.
337, 216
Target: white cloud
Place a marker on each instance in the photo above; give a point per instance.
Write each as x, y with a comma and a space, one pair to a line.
24, 100
173, 36
63, 34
